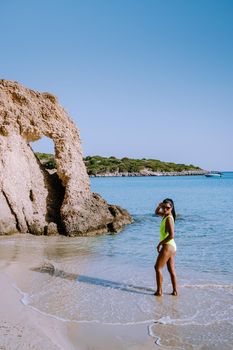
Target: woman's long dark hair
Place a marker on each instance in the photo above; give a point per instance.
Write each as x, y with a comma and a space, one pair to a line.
170, 201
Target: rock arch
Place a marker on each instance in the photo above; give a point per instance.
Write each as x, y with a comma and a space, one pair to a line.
25, 116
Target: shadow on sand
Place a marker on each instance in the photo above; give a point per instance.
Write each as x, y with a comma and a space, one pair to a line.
50, 269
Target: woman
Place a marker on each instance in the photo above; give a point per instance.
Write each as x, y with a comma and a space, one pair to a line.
167, 246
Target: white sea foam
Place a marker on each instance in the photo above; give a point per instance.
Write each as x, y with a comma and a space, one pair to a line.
216, 335
209, 286
26, 300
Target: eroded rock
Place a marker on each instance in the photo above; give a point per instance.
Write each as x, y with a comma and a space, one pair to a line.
32, 200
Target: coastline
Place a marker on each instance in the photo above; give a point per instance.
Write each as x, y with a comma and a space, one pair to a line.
201, 308
24, 327
145, 172
168, 322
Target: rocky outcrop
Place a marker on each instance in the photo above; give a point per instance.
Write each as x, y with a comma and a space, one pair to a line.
31, 199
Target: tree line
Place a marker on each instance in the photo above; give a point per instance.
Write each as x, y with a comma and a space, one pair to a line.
97, 165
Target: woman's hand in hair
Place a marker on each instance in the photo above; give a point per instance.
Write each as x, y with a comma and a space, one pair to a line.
159, 209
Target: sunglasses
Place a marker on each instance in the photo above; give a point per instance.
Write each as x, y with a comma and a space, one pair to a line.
166, 207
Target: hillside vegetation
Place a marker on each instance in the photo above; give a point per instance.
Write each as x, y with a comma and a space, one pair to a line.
97, 165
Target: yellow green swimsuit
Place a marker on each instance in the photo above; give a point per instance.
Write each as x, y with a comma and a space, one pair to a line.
164, 234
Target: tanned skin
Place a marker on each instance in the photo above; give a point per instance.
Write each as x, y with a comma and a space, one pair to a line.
166, 251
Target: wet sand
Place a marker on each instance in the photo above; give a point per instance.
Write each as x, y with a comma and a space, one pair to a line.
88, 303
23, 327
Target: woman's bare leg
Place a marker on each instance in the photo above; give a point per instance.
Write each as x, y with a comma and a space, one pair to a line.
162, 259
171, 269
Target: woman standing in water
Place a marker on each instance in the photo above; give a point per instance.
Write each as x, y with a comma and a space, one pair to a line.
167, 246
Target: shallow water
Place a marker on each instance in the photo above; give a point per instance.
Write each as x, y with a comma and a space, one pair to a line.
110, 279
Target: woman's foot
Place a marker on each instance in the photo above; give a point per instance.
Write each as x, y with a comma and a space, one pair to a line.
158, 293
174, 293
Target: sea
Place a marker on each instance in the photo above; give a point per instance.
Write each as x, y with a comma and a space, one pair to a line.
110, 279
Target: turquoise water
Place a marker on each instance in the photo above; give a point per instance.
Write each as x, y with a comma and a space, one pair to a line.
204, 227
110, 279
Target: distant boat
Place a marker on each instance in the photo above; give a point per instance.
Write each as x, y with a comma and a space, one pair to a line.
214, 174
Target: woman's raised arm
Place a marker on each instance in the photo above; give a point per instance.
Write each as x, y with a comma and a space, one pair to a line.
159, 210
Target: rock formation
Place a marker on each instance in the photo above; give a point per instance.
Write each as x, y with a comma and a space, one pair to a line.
32, 200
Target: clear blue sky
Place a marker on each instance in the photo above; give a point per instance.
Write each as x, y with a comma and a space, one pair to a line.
141, 78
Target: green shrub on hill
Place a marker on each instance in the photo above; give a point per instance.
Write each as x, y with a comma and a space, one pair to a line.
101, 165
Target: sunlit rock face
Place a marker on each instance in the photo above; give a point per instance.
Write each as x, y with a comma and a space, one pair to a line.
31, 199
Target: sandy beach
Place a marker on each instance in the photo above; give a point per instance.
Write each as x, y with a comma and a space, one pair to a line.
93, 300
21, 327
24, 327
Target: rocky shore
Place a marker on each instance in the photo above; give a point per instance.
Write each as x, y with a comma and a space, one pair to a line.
146, 172
31, 199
